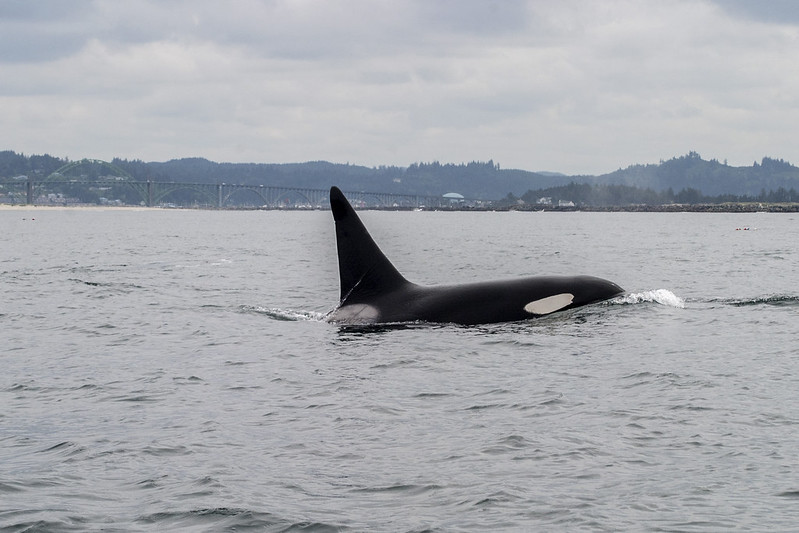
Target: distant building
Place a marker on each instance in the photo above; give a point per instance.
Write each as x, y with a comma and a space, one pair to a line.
565, 203
454, 198
544, 200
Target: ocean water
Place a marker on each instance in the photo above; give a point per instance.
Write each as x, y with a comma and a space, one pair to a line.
169, 370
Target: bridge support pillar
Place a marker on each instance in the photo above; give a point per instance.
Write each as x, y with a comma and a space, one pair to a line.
219, 195
29, 192
149, 193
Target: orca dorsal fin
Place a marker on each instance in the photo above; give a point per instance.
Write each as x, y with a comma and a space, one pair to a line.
364, 270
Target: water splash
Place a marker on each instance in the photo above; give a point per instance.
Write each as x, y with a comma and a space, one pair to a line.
660, 296
287, 315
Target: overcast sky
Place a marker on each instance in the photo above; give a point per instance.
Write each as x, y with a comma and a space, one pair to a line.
576, 86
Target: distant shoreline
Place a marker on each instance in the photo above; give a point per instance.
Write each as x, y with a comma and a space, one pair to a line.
683, 208
754, 207
88, 207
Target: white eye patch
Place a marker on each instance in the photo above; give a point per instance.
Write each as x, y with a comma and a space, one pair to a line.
550, 304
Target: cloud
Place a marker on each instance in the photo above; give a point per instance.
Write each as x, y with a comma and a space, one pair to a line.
772, 11
574, 86
38, 31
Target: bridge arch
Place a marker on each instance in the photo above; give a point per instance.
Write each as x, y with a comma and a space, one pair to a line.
245, 191
373, 199
92, 172
283, 197
161, 191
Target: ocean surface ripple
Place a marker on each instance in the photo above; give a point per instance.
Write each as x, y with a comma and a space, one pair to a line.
169, 370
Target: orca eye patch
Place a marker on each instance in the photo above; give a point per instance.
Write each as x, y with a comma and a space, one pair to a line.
550, 304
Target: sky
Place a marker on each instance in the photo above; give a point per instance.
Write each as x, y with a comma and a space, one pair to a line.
573, 86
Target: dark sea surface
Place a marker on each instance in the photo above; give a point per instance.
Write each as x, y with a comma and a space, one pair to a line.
168, 370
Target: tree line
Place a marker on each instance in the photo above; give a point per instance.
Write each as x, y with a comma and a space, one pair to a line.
600, 195
694, 179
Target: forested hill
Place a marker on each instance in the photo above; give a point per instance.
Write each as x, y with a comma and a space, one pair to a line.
483, 180
711, 178
474, 180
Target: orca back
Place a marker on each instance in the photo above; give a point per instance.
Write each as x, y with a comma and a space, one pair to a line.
363, 268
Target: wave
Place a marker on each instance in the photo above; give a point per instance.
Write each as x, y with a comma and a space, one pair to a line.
659, 296
286, 315
231, 519
668, 298
774, 299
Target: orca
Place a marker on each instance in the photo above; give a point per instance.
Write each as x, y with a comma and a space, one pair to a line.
374, 292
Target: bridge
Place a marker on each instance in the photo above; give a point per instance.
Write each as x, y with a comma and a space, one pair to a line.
107, 183
223, 195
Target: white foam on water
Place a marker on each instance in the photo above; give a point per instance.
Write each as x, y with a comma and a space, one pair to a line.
284, 314
660, 296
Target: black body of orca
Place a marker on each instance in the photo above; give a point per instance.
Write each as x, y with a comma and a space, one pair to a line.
374, 292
